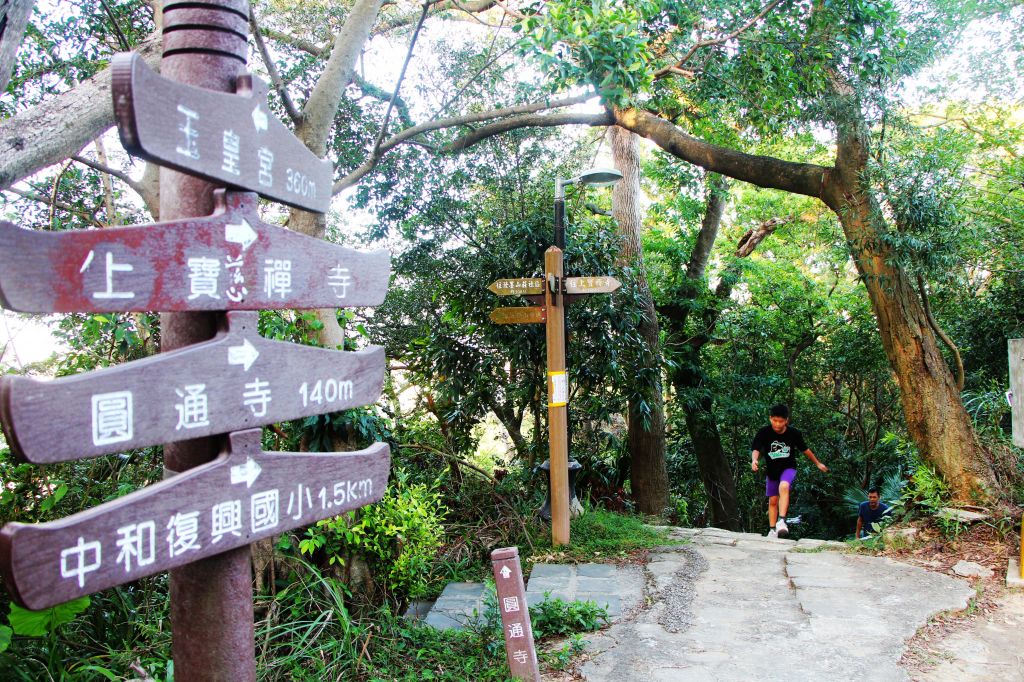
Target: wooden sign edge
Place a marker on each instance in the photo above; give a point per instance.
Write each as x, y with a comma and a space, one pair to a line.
9, 530
125, 65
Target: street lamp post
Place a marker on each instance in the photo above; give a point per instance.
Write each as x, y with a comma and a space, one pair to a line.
558, 454
599, 177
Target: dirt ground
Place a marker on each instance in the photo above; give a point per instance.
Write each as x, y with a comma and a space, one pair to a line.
982, 642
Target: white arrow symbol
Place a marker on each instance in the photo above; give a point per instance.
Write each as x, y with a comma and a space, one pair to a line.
259, 119
242, 233
246, 473
505, 573
244, 355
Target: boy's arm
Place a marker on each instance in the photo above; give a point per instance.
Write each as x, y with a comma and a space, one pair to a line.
810, 456
860, 524
754, 454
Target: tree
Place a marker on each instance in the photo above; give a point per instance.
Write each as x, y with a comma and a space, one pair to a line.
646, 412
749, 74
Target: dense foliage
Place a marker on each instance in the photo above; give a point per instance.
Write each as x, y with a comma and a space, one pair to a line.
464, 404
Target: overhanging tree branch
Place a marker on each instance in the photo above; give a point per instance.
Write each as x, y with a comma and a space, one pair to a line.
58, 127
527, 121
406, 135
764, 171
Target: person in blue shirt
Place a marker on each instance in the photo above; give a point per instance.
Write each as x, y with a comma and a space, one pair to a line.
870, 512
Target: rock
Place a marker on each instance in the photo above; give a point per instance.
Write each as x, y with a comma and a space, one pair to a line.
962, 515
903, 532
969, 569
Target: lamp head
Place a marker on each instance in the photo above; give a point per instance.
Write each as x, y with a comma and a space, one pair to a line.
600, 177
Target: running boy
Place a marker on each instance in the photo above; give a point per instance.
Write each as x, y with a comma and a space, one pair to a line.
779, 442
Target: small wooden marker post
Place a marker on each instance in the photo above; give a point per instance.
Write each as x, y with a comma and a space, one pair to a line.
208, 261
515, 614
1015, 349
559, 291
1015, 396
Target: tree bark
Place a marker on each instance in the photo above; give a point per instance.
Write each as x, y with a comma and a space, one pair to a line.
59, 127
646, 433
688, 376
317, 123
935, 416
14, 15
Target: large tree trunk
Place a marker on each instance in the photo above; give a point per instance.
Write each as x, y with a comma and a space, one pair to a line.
688, 374
14, 16
317, 122
646, 421
715, 473
935, 416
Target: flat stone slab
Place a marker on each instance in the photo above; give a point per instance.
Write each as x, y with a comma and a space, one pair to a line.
1013, 578
962, 515
457, 606
615, 588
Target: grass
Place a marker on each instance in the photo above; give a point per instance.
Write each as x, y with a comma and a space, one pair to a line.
600, 535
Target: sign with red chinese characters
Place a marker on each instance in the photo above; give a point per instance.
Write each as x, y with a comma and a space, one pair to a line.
242, 496
236, 380
230, 260
515, 614
225, 138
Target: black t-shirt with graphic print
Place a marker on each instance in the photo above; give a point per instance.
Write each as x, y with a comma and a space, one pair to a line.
779, 450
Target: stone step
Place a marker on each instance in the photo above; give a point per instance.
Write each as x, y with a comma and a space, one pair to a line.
611, 587
457, 606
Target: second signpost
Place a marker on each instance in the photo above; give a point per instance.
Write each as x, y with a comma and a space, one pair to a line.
555, 288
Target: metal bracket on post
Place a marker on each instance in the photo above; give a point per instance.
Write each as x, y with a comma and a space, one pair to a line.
557, 287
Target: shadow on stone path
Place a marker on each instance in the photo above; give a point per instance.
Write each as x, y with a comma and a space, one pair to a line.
736, 606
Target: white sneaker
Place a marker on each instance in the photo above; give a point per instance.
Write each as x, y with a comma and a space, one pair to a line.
772, 534
781, 529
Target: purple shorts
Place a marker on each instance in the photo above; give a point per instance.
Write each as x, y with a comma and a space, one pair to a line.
771, 488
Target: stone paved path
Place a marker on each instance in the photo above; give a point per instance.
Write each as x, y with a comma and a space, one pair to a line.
741, 607
723, 607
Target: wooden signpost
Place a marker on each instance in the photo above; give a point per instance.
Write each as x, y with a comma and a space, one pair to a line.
236, 381
230, 260
208, 121
224, 138
240, 497
517, 287
515, 614
556, 294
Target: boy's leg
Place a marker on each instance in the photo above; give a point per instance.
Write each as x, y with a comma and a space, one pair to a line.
785, 484
771, 491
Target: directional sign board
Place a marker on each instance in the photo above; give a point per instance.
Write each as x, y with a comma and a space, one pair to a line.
528, 315
225, 138
591, 285
517, 287
235, 381
515, 614
240, 497
230, 260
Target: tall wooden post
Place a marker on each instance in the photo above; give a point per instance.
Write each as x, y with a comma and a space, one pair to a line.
211, 600
558, 395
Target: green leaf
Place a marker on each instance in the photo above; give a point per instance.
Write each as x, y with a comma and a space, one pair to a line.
5, 638
41, 623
